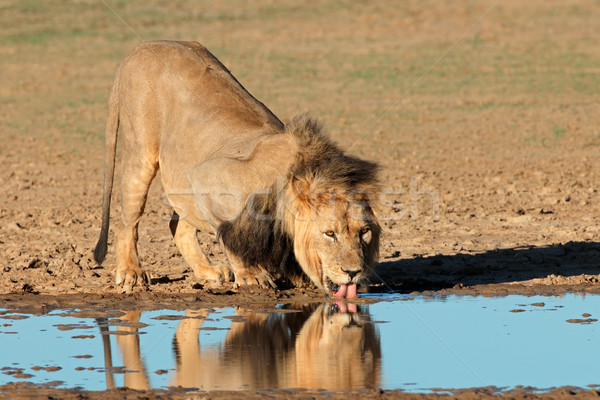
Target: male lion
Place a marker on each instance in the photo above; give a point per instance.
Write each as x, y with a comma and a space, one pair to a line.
285, 201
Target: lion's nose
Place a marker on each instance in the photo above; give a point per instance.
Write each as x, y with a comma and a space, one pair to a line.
351, 272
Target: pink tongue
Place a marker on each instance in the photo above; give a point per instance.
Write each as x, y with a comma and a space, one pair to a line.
351, 294
347, 291
341, 291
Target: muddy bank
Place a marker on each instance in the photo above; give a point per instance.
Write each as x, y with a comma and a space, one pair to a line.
548, 270
22, 391
42, 303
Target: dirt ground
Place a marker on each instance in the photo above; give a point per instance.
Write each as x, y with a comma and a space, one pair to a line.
483, 115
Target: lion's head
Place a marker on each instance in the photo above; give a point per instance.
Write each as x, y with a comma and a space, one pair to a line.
327, 206
335, 231
317, 221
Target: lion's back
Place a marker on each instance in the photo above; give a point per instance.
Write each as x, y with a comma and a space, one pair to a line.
189, 90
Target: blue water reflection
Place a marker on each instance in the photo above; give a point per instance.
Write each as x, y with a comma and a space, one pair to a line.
411, 344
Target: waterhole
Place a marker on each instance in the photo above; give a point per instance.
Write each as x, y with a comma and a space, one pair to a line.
399, 342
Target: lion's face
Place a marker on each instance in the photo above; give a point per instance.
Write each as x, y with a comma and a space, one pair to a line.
336, 240
342, 245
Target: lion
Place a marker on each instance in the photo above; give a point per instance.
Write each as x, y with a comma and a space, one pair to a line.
287, 204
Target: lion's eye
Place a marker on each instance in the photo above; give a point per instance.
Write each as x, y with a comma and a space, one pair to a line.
331, 234
365, 230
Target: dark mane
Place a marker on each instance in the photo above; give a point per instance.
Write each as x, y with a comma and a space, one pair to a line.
257, 235
320, 157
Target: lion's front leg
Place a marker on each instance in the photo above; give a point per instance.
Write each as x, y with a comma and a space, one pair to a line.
185, 238
249, 275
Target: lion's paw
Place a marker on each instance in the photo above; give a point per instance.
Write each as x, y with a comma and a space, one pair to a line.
130, 277
254, 278
214, 275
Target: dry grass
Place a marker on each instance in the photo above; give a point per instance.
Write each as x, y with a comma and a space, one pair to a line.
348, 62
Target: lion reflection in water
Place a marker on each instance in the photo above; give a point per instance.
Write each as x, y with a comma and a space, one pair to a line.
316, 346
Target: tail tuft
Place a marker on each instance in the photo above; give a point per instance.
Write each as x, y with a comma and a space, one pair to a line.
101, 248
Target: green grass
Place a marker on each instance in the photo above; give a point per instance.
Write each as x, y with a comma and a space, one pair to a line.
44, 36
558, 132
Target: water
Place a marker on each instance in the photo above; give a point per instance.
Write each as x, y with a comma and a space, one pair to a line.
400, 343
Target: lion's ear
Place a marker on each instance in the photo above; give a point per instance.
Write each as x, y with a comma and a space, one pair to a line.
301, 188
296, 203
303, 196
299, 197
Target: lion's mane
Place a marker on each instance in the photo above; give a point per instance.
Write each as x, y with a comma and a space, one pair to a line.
264, 232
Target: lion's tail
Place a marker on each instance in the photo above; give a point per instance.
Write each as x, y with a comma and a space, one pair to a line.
112, 126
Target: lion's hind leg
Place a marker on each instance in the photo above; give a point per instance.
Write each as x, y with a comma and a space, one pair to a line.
185, 238
136, 179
